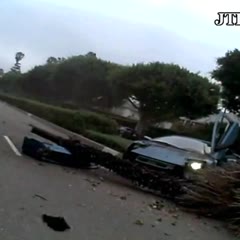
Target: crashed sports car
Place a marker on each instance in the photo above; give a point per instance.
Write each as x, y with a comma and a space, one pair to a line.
183, 155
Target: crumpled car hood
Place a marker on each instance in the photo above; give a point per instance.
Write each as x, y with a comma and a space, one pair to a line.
168, 154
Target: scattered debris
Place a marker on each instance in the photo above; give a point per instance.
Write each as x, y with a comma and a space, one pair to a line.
176, 216
56, 223
39, 196
174, 224
173, 211
113, 194
41, 164
153, 226
93, 182
166, 234
159, 220
123, 198
216, 193
139, 222
101, 179
156, 205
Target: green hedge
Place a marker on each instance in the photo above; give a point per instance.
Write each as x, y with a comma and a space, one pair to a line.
76, 121
123, 121
112, 141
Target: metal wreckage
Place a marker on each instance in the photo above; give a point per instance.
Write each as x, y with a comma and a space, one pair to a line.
73, 153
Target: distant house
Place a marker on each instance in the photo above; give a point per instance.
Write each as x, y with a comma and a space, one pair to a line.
129, 111
165, 125
207, 120
126, 110
212, 118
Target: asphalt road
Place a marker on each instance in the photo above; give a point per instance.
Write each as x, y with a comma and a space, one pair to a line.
95, 203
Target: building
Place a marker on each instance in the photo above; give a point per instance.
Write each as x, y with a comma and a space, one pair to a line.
129, 111
126, 110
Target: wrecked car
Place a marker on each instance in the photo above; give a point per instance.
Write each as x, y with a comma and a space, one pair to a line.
183, 155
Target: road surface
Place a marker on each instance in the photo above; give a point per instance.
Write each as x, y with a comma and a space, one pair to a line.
95, 203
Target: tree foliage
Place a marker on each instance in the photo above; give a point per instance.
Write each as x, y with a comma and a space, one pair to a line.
54, 60
82, 80
1, 72
228, 74
10, 82
166, 91
38, 82
17, 66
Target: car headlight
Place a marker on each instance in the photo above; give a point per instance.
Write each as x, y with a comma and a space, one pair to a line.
196, 165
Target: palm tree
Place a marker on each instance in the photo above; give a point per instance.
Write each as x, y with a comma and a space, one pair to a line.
17, 66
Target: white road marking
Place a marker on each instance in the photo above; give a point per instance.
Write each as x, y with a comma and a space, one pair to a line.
13, 147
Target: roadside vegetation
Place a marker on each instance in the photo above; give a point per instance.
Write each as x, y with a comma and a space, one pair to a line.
92, 125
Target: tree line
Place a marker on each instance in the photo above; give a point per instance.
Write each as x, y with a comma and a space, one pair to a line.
159, 91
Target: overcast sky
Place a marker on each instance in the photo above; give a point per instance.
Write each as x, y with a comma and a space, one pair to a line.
123, 31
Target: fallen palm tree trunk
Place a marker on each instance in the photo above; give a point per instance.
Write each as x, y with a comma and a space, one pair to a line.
215, 193
82, 155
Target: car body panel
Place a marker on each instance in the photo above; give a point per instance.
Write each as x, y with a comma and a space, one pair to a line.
166, 153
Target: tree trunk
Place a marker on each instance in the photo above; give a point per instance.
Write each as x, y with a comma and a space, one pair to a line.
142, 126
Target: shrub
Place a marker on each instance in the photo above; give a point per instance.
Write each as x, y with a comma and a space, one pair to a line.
99, 122
73, 120
123, 121
112, 141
